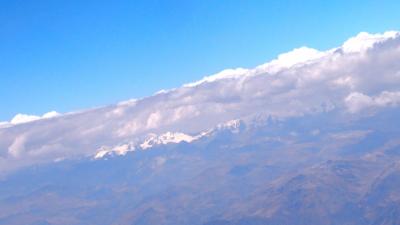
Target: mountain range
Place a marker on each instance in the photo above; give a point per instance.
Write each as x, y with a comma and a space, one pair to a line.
312, 137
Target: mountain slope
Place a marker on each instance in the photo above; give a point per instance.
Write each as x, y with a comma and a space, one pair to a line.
256, 172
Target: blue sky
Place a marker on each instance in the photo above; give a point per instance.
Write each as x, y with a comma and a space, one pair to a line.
70, 55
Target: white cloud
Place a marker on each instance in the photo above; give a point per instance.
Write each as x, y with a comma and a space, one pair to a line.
50, 115
154, 120
357, 102
24, 118
127, 129
364, 41
296, 57
129, 102
346, 81
225, 74
361, 75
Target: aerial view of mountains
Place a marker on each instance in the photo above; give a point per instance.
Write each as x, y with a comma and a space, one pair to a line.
114, 112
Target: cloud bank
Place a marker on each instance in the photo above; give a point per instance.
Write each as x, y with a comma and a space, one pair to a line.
360, 77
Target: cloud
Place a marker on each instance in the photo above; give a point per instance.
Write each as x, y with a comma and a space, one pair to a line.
154, 120
356, 101
18, 146
296, 57
50, 114
362, 75
24, 118
225, 74
364, 41
3, 124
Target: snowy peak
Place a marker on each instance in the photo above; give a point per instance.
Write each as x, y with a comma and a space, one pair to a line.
116, 150
150, 141
166, 138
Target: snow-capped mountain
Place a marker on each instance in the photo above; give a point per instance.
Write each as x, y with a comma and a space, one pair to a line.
166, 138
150, 141
153, 140
117, 150
239, 172
302, 82
311, 137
